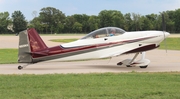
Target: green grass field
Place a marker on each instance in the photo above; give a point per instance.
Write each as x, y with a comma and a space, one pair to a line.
87, 86
171, 44
8, 56
63, 40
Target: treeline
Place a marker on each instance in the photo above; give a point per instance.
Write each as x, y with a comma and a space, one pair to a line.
52, 20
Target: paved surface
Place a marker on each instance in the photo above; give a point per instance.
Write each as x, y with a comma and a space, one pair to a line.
13, 41
160, 62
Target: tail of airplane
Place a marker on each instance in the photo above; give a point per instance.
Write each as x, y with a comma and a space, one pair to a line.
29, 42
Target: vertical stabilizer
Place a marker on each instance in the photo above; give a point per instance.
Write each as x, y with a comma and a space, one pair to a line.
29, 42
35, 41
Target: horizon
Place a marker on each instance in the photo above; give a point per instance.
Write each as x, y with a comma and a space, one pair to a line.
71, 7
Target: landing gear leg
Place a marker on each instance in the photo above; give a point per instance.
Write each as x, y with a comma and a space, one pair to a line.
134, 58
143, 58
128, 62
142, 63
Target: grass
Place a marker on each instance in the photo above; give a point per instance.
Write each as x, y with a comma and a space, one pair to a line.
8, 56
63, 40
87, 86
171, 44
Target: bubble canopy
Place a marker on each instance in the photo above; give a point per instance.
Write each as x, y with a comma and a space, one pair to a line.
104, 32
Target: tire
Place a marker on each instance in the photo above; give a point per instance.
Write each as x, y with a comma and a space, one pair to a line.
120, 63
128, 66
143, 66
20, 67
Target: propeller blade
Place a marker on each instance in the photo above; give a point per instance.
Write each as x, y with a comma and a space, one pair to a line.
164, 29
163, 23
165, 45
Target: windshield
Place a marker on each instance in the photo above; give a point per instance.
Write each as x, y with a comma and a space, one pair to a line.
104, 32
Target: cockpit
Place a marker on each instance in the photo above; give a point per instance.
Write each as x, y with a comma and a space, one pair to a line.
104, 32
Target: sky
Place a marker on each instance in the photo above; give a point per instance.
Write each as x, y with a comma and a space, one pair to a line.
89, 7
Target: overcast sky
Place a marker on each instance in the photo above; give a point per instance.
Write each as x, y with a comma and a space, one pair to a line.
89, 7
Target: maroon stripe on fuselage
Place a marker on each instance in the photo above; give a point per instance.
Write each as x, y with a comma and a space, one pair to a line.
63, 50
141, 49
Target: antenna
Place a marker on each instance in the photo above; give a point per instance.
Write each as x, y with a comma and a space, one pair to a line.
163, 22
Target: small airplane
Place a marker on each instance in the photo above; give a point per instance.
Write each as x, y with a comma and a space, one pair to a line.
102, 43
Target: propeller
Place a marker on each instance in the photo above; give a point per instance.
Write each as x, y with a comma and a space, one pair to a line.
164, 30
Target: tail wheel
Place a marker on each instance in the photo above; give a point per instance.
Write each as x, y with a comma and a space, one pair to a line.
20, 67
143, 66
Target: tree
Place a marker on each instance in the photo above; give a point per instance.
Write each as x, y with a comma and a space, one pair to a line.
93, 22
147, 24
4, 22
153, 22
53, 20
19, 22
60, 27
77, 27
85, 23
36, 23
118, 19
105, 18
128, 22
68, 25
82, 19
111, 18
52, 17
137, 22
171, 21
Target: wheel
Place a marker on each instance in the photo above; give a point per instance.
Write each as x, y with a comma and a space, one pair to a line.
128, 66
143, 66
120, 63
20, 67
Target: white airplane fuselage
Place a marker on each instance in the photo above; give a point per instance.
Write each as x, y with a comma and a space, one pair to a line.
137, 40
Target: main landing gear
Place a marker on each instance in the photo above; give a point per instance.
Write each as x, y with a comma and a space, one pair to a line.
142, 63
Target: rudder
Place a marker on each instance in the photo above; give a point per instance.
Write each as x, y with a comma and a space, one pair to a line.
35, 41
